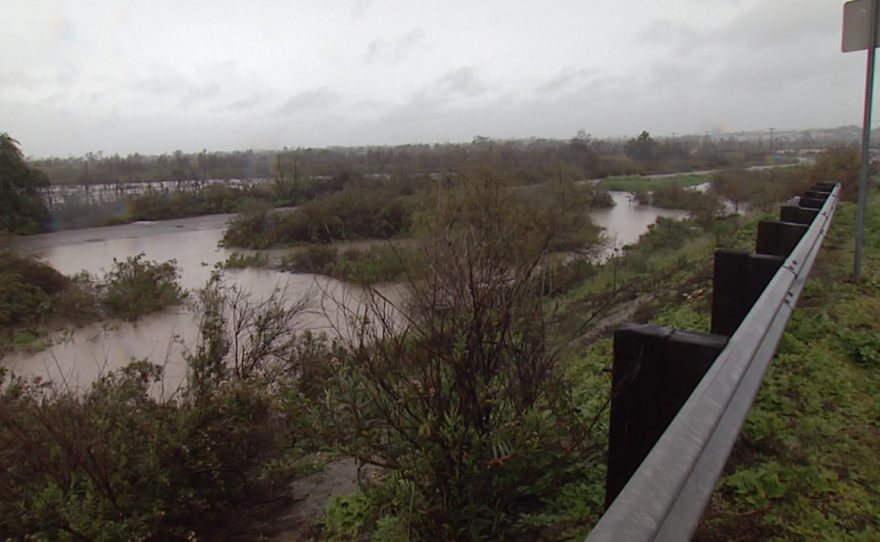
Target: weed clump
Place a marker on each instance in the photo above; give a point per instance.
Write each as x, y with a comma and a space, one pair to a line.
135, 287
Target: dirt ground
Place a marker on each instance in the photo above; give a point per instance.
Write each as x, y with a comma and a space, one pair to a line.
310, 497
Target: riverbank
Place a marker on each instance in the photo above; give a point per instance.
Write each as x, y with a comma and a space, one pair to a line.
517, 354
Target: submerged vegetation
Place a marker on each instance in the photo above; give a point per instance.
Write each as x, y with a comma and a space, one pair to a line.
34, 296
378, 210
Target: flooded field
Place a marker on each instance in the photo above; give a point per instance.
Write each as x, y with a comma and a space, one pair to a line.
163, 337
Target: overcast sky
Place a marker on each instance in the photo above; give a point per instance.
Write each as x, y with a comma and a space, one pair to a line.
154, 76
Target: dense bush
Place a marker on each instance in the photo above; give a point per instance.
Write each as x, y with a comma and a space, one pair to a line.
115, 463
765, 189
352, 214
26, 288
311, 258
665, 234
704, 207
121, 461
135, 287
33, 294
254, 227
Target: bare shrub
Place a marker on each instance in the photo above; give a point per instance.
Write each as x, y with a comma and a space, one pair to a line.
462, 396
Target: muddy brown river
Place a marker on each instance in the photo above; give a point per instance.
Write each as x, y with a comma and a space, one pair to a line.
163, 337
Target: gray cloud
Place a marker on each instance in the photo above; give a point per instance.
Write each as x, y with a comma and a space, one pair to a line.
160, 82
20, 78
198, 95
567, 78
368, 106
391, 52
308, 100
768, 25
245, 104
462, 81
359, 8
87, 77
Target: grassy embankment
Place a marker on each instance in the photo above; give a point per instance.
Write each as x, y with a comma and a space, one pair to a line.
806, 465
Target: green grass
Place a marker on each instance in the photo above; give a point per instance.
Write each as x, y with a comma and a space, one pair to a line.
807, 465
632, 183
378, 263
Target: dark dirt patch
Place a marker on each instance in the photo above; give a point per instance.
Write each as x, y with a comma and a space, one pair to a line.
725, 527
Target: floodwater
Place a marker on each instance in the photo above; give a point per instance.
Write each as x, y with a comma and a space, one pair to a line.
163, 337
627, 220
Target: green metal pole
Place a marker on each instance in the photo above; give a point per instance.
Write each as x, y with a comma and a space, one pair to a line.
866, 139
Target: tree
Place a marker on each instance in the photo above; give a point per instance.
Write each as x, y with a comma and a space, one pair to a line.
732, 184
22, 209
641, 148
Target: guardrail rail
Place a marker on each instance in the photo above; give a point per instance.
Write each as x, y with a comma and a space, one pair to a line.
680, 398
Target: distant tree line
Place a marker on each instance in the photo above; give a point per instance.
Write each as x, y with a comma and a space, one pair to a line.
591, 157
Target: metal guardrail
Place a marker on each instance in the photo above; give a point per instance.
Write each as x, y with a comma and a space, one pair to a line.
665, 497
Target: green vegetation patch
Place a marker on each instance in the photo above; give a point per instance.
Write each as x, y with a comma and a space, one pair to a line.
136, 286
379, 263
806, 466
35, 297
636, 183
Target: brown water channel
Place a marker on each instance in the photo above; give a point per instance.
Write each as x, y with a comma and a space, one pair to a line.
163, 337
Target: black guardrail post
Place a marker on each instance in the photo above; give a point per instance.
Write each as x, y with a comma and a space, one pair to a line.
777, 238
679, 398
797, 215
655, 370
739, 279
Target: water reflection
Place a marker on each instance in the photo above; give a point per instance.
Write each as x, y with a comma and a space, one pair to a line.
627, 220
